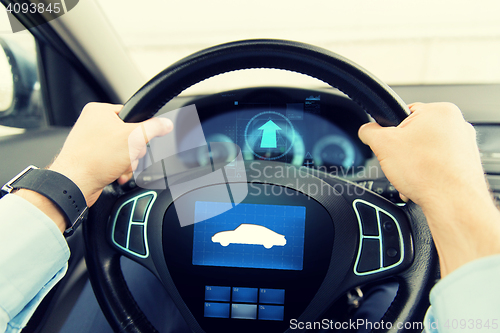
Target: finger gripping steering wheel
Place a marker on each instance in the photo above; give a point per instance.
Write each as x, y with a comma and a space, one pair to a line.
417, 272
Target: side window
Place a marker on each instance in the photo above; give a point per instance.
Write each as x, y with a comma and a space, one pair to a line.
21, 104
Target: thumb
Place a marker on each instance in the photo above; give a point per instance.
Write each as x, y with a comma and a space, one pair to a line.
156, 127
145, 132
370, 132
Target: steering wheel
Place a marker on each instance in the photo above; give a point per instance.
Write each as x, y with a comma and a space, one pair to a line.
366, 238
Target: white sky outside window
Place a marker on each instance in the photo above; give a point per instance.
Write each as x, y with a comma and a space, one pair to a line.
400, 41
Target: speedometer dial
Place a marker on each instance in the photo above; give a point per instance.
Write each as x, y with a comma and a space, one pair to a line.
334, 150
218, 153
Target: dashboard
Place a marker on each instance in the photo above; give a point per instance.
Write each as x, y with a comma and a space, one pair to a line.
296, 126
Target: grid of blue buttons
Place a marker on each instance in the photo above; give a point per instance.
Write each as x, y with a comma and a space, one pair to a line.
244, 303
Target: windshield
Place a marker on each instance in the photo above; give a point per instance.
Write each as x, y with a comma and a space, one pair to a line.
402, 42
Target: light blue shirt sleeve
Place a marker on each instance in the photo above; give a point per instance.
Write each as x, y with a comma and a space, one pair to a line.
467, 300
33, 259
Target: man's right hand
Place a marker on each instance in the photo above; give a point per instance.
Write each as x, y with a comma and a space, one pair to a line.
432, 158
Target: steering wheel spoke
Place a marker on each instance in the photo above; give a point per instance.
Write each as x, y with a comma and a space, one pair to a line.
385, 238
129, 224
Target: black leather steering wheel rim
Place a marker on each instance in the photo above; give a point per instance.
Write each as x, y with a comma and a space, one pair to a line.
373, 95
383, 104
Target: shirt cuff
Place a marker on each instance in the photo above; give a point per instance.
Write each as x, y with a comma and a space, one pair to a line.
17, 323
467, 299
34, 254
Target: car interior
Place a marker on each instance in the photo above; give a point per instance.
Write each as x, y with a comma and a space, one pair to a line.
254, 244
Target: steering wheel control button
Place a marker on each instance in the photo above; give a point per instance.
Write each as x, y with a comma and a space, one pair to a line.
377, 252
271, 312
389, 227
215, 293
130, 225
244, 311
391, 253
136, 239
216, 310
391, 240
141, 207
272, 296
122, 224
244, 295
368, 217
379, 187
369, 260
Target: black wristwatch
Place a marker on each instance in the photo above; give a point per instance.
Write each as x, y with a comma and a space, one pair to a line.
58, 188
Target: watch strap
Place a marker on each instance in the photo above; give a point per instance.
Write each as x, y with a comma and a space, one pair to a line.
58, 188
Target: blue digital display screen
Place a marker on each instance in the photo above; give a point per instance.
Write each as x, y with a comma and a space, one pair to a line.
249, 235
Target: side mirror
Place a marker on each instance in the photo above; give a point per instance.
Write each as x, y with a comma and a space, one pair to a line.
20, 100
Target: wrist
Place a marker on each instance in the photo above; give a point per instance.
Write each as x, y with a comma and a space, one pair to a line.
45, 205
464, 228
77, 176
459, 193
53, 193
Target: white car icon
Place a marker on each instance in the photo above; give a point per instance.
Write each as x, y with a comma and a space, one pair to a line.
250, 234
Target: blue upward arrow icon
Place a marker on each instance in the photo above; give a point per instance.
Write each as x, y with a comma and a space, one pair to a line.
269, 134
